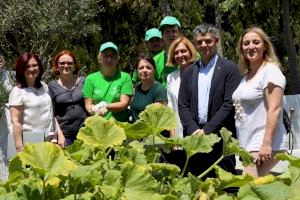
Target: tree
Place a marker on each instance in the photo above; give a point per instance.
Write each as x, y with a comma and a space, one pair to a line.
45, 26
291, 49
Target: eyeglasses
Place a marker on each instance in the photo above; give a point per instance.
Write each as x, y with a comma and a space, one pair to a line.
32, 66
65, 63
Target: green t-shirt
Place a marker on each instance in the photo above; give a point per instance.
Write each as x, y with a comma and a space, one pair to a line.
101, 88
141, 99
161, 71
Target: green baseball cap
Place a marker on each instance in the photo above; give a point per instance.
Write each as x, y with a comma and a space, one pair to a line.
153, 32
107, 45
169, 21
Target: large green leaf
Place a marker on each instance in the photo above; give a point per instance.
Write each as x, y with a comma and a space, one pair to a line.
9, 196
135, 131
275, 191
165, 168
130, 154
231, 147
229, 180
101, 133
293, 160
80, 152
199, 144
158, 117
87, 174
137, 183
46, 159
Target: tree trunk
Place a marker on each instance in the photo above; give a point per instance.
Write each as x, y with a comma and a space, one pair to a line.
218, 21
165, 7
291, 49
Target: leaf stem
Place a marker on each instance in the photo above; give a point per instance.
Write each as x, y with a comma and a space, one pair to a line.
155, 157
75, 190
210, 168
43, 192
108, 152
153, 147
185, 166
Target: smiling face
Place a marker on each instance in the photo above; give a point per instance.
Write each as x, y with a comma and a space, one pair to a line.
145, 70
108, 58
32, 71
66, 65
253, 47
182, 55
206, 45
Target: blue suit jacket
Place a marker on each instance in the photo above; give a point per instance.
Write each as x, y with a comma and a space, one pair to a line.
226, 78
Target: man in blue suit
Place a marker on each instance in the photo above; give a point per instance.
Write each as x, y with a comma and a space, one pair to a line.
205, 97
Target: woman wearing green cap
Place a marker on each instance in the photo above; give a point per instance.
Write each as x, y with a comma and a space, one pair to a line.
108, 91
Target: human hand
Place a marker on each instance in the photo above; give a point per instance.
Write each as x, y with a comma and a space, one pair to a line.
264, 155
99, 106
102, 111
198, 132
61, 140
19, 146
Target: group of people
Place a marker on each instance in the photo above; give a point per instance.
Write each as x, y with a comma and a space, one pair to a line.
206, 92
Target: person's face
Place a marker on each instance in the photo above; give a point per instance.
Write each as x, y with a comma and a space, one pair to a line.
170, 33
108, 58
32, 70
155, 44
182, 55
253, 47
66, 65
206, 45
145, 70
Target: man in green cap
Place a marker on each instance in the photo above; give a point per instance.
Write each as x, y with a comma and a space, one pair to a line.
170, 28
154, 42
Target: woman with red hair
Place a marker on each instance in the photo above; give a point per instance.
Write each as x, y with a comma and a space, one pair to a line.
66, 94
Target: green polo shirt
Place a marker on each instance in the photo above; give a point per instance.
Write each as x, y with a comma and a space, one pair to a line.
108, 89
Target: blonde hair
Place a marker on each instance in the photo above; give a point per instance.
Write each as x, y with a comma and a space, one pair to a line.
173, 46
269, 54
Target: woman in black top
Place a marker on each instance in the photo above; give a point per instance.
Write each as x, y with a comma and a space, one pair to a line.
147, 91
66, 94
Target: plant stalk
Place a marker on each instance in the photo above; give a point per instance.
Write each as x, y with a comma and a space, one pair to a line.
185, 166
43, 192
210, 168
108, 152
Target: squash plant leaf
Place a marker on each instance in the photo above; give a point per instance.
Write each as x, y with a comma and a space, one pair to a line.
231, 147
165, 168
199, 144
79, 152
101, 133
293, 160
46, 159
158, 117
229, 180
274, 190
135, 131
137, 183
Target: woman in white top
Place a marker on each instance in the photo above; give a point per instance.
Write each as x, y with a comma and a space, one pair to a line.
181, 53
31, 106
258, 101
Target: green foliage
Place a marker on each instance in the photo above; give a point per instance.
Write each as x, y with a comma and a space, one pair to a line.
4, 94
87, 170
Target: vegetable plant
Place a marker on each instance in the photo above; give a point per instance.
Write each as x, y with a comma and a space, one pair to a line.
111, 160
